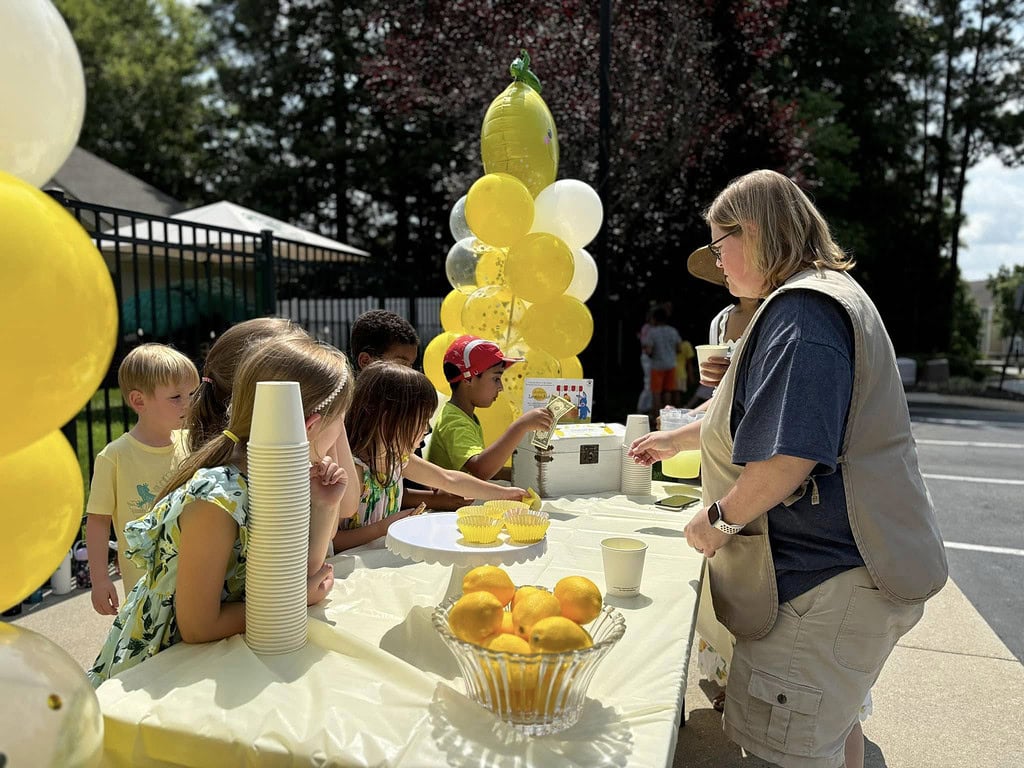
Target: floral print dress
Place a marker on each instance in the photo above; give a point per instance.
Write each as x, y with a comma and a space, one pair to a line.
377, 500
146, 623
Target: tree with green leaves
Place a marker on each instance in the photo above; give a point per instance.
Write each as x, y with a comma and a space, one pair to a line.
147, 88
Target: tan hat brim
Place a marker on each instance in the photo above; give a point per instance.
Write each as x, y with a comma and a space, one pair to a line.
701, 263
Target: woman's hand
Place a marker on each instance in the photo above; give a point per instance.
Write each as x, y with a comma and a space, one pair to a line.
703, 536
327, 484
713, 370
319, 584
652, 447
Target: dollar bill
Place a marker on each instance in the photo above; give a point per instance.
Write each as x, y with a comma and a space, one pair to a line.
559, 406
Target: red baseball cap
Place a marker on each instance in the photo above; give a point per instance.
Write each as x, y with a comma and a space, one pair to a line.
473, 355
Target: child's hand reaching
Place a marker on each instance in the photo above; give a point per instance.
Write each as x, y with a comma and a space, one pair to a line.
537, 419
513, 494
319, 584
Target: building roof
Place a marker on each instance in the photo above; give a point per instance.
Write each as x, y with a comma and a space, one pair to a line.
91, 179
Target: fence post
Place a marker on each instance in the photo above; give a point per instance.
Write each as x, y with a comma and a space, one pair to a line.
265, 262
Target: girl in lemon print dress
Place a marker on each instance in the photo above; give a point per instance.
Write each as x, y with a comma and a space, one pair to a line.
193, 542
390, 410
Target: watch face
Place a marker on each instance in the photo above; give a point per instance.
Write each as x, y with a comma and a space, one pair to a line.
714, 513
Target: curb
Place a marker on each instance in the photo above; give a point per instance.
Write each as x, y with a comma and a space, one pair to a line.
966, 401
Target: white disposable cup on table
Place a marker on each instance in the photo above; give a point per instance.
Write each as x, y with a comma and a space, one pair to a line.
623, 565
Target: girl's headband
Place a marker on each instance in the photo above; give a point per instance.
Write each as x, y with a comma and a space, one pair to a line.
337, 390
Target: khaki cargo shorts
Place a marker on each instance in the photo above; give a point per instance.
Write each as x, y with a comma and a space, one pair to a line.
794, 695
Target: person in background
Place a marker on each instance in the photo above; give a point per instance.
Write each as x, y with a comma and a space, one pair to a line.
686, 373
663, 344
474, 366
819, 533
643, 403
156, 382
193, 542
390, 410
208, 411
382, 335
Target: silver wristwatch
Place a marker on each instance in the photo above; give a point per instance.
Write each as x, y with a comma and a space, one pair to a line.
717, 521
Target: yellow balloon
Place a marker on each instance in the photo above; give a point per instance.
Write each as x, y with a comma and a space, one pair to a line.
571, 367
451, 312
490, 270
57, 311
495, 419
539, 267
433, 361
537, 364
518, 137
499, 209
562, 327
40, 514
491, 314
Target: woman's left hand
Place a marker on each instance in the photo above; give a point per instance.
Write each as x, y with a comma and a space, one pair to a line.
704, 537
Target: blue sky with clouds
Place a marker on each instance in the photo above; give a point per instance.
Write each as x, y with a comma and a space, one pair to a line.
994, 231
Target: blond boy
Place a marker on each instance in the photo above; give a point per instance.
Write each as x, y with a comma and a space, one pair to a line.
156, 381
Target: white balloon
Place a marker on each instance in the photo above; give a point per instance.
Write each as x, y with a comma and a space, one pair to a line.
42, 90
457, 220
569, 209
584, 277
49, 713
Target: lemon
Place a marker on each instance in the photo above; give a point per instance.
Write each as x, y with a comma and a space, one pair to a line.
489, 578
475, 617
507, 627
556, 634
531, 609
579, 597
521, 593
533, 500
508, 644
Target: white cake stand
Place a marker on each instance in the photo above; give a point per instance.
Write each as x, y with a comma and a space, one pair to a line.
434, 538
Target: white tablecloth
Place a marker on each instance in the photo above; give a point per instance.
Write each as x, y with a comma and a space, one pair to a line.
375, 685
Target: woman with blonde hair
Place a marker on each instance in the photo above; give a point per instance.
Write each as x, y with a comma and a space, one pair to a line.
821, 539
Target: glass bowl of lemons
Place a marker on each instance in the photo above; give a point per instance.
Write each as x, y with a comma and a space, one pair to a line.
529, 661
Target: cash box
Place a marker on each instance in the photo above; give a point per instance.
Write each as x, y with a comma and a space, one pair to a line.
583, 458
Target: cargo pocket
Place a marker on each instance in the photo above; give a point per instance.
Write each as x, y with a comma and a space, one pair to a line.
786, 713
870, 629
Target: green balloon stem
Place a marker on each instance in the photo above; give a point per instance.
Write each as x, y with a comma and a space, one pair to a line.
520, 71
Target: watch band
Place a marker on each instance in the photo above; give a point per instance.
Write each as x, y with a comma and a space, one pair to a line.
720, 523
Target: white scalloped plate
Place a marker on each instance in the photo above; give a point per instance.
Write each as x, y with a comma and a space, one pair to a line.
434, 538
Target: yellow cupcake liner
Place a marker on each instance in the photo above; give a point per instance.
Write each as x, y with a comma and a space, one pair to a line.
479, 529
527, 527
481, 511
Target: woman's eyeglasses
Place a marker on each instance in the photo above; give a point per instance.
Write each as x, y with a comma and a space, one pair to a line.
716, 251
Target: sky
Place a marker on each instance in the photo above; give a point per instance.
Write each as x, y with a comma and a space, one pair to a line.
994, 231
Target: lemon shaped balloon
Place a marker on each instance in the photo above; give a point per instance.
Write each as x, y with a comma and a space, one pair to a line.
42, 491
57, 311
539, 267
499, 209
518, 134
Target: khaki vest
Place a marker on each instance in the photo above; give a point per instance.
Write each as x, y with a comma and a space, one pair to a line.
889, 507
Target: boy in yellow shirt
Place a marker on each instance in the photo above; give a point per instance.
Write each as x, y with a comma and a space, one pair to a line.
473, 367
156, 381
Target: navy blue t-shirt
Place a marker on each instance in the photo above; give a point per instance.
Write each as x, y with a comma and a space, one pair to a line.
792, 397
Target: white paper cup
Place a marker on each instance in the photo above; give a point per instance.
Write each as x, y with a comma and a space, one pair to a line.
623, 565
277, 414
706, 351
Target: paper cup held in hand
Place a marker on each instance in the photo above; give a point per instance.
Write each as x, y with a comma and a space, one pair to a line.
277, 414
707, 351
623, 565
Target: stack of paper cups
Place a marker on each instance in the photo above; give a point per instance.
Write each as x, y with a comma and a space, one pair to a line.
278, 464
636, 478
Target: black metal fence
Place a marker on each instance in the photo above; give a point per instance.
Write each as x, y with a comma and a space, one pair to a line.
183, 283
